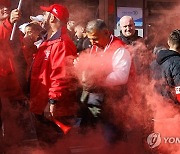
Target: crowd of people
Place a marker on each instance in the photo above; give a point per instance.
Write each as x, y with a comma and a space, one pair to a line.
78, 74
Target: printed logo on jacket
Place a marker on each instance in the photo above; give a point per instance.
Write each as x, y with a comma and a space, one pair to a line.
47, 53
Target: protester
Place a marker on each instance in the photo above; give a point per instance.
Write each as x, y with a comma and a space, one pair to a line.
79, 38
111, 72
140, 75
35, 20
70, 28
169, 68
33, 37
13, 101
51, 91
155, 67
34, 31
128, 33
141, 55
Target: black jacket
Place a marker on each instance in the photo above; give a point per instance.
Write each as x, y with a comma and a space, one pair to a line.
78, 43
82, 43
169, 69
130, 40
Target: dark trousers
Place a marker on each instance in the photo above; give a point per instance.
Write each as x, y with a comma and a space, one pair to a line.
1, 131
16, 122
93, 112
48, 133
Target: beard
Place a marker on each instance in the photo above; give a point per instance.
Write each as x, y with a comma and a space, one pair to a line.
46, 22
45, 25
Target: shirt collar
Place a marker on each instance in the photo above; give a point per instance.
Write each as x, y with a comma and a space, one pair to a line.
58, 34
55, 36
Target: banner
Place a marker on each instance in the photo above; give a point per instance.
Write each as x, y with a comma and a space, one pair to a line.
135, 13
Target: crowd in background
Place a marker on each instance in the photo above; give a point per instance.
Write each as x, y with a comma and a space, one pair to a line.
79, 75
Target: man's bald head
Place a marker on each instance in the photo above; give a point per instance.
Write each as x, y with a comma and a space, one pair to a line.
127, 26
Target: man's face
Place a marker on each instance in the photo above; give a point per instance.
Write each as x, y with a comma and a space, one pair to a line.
29, 32
4, 13
127, 27
98, 38
70, 25
79, 31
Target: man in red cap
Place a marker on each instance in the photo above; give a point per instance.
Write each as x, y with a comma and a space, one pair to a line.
51, 92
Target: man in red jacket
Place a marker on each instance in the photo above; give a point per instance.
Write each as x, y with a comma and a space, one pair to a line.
11, 94
51, 91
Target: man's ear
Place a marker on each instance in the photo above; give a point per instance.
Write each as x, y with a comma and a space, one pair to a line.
168, 42
106, 31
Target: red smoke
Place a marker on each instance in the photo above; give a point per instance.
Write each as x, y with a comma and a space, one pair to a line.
145, 110
162, 22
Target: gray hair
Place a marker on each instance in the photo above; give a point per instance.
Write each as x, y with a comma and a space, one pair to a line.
97, 24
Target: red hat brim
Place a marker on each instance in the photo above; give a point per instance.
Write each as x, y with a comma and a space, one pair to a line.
58, 11
48, 9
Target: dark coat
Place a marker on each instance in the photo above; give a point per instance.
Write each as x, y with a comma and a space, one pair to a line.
130, 40
78, 43
86, 43
82, 43
169, 69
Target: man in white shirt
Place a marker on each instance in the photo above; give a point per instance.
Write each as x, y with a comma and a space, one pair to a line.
109, 69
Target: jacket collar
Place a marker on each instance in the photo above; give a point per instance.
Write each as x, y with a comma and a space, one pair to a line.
130, 40
164, 55
58, 35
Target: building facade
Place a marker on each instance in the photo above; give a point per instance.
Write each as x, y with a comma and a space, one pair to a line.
149, 13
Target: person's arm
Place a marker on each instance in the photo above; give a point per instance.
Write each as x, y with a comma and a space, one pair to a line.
56, 78
57, 73
176, 77
121, 63
5, 30
61, 58
176, 74
6, 25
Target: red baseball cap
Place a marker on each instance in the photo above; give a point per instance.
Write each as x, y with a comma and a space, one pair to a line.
5, 3
59, 11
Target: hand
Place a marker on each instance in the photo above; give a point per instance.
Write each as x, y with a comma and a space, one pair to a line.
14, 16
52, 109
75, 62
87, 80
47, 113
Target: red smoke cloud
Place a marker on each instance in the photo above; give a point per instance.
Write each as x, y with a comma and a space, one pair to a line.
162, 23
143, 113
